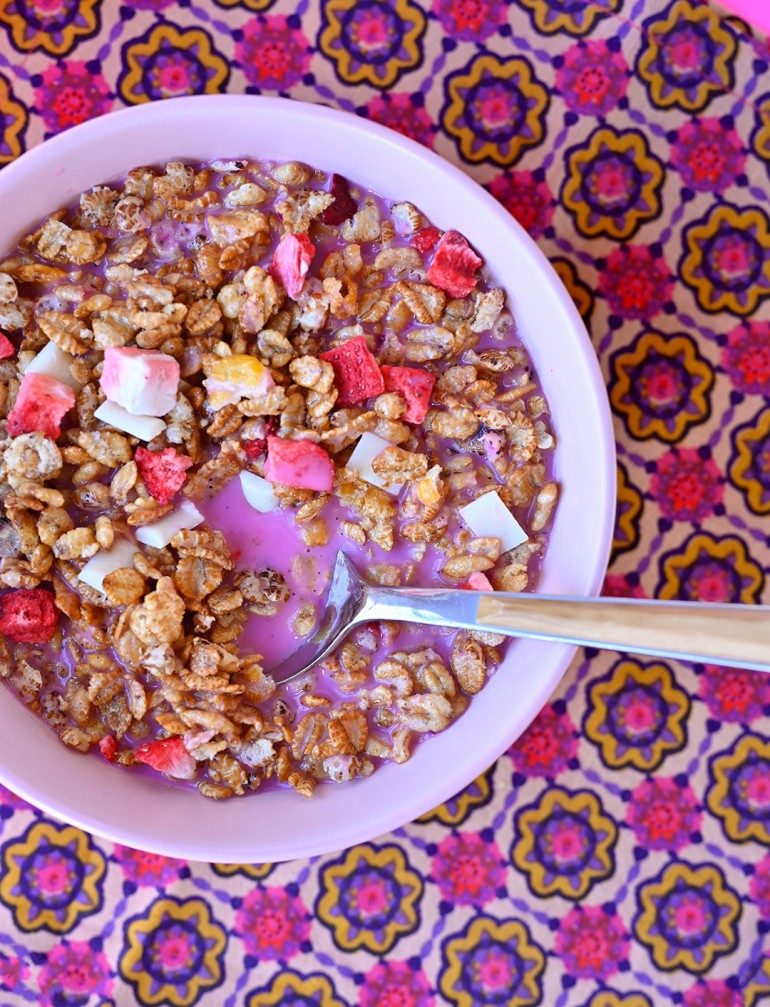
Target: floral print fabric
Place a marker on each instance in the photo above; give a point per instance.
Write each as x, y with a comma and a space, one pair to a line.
619, 854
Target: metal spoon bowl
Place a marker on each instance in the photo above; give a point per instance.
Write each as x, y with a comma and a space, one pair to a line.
732, 635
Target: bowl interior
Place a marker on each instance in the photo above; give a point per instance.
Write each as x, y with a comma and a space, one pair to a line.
162, 818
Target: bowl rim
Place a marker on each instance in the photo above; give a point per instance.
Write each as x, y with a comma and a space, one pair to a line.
62, 148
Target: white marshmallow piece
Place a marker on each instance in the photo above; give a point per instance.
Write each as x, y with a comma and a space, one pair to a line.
368, 448
143, 382
144, 427
120, 556
55, 364
488, 517
159, 535
259, 493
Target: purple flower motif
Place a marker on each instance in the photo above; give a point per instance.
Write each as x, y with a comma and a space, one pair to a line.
156, 5
734, 696
636, 283
147, 868
70, 94
685, 486
617, 585
470, 20
529, 201
759, 889
468, 869
395, 984
592, 79
707, 156
273, 924
272, 55
402, 113
746, 358
663, 815
72, 974
547, 745
591, 944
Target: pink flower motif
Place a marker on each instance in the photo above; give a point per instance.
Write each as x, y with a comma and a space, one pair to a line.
759, 889
712, 993
71, 93
685, 486
529, 201
707, 156
73, 973
663, 815
746, 358
273, 924
546, 746
12, 972
470, 20
591, 944
592, 79
272, 55
401, 113
147, 868
635, 282
734, 696
468, 869
617, 585
395, 984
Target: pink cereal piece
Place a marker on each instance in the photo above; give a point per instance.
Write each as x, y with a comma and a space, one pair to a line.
291, 262
7, 349
299, 463
454, 263
143, 382
477, 581
41, 404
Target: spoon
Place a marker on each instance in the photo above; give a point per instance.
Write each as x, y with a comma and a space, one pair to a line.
737, 636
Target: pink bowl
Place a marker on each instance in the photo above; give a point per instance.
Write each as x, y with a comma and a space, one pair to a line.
163, 818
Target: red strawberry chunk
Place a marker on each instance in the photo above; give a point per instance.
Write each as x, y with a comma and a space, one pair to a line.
299, 463
28, 615
108, 747
425, 239
356, 372
477, 581
291, 261
344, 206
414, 385
169, 756
41, 404
7, 349
163, 472
453, 266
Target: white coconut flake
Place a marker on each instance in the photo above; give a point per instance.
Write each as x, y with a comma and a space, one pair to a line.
368, 448
159, 535
259, 493
146, 428
54, 363
487, 516
119, 557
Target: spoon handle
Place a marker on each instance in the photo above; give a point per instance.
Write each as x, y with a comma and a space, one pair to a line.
732, 635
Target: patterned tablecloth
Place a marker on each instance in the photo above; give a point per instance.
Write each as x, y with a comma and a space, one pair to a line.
618, 855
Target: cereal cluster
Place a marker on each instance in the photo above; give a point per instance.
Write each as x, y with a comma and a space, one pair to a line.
186, 326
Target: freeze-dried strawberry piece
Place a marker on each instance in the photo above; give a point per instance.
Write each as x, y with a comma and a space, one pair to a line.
414, 385
163, 472
356, 372
477, 581
41, 404
257, 446
7, 349
344, 206
108, 747
291, 261
28, 615
425, 239
453, 266
169, 756
299, 463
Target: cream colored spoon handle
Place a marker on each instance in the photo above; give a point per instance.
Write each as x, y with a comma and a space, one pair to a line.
732, 635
